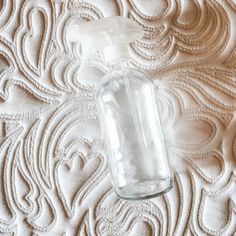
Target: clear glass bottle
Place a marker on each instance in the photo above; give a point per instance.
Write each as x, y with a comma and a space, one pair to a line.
128, 113
133, 134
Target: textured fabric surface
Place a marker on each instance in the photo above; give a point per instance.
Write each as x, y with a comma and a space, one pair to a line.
53, 170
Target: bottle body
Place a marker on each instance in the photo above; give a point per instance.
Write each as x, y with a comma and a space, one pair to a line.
131, 126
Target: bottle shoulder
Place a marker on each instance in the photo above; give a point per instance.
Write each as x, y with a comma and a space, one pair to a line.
115, 80
118, 72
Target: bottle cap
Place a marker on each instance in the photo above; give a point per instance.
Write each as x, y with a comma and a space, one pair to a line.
108, 35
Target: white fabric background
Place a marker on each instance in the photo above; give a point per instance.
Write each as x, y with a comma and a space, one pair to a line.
53, 171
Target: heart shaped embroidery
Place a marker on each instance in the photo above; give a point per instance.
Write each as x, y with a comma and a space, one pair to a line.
33, 41
76, 177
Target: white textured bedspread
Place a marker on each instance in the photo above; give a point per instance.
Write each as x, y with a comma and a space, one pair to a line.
53, 169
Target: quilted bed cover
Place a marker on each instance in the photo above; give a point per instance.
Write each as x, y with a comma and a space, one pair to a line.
53, 170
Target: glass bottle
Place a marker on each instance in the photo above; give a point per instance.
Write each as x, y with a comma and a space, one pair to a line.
132, 129
128, 113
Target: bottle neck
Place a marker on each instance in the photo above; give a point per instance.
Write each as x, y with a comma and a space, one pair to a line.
116, 61
115, 55
118, 64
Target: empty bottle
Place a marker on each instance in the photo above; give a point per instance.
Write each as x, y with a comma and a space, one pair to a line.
128, 112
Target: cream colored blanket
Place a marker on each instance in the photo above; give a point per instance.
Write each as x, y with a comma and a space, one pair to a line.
53, 169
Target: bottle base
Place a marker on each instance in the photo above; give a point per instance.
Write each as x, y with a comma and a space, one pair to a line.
145, 189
